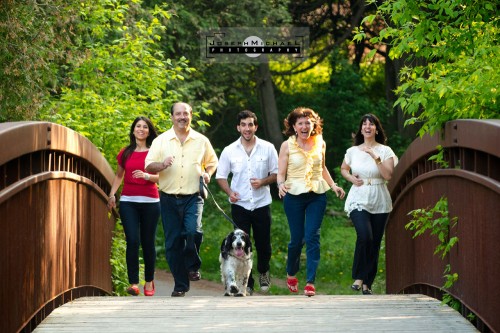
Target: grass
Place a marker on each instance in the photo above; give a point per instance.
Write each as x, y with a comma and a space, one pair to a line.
338, 239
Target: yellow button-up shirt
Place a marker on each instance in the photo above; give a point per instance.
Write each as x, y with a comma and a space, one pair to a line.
192, 158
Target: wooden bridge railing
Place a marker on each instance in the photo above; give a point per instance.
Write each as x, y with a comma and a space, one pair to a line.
55, 242
472, 185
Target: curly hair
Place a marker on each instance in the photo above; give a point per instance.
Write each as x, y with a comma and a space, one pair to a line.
302, 112
380, 136
246, 114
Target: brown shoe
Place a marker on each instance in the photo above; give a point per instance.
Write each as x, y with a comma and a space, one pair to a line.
194, 276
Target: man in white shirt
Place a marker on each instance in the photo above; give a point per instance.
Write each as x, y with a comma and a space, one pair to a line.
253, 163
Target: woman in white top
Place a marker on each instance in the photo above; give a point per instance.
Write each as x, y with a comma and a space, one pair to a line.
368, 165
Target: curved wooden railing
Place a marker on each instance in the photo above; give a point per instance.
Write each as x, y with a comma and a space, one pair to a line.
55, 242
472, 185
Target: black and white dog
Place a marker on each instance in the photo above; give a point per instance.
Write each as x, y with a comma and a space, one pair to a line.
236, 262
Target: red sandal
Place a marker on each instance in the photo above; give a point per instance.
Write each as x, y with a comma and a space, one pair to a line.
133, 290
292, 284
309, 290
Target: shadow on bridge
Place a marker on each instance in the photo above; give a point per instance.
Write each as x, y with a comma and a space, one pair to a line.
56, 233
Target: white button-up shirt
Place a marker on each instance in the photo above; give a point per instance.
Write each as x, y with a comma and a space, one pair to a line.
262, 162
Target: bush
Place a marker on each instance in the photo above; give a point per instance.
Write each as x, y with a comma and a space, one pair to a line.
119, 277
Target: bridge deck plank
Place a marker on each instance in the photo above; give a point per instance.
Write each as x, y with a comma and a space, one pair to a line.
377, 313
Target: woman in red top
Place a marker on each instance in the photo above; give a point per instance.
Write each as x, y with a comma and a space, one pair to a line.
139, 204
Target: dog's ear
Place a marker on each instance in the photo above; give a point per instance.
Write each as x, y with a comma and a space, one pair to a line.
248, 244
226, 245
223, 251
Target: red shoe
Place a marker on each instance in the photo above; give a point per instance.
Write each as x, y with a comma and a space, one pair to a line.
309, 290
292, 284
133, 290
150, 292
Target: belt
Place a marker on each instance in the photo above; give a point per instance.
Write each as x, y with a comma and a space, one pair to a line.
179, 196
373, 181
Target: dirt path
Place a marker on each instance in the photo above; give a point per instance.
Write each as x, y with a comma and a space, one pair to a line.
164, 283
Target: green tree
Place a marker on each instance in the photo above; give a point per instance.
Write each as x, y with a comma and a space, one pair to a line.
229, 88
122, 74
34, 37
450, 51
341, 93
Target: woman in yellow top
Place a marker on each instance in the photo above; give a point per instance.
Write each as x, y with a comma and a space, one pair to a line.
303, 180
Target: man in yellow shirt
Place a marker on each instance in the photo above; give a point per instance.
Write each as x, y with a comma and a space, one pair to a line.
181, 155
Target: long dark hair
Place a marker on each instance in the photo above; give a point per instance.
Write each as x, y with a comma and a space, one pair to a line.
300, 112
380, 136
132, 145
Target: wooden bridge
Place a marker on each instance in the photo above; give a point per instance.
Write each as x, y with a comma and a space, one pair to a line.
266, 314
56, 243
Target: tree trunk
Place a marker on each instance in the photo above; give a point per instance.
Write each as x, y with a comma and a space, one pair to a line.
392, 68
272, 121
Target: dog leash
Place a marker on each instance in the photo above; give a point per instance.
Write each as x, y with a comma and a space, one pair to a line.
217, 205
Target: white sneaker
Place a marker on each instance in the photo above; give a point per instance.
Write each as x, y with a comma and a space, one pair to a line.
264, 281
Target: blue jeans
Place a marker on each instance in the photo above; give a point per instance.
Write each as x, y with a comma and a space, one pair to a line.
369, 231
305, 214
181, 218
139, 220
258, 220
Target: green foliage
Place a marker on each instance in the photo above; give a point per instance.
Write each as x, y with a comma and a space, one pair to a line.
439, 158
34, 36
228, 88
119, 277
437, 220
450, 49
341, 95
122, 74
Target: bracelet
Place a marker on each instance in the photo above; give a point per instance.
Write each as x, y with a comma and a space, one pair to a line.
280, 183
146, 176
111, 197
331, 186
378, 160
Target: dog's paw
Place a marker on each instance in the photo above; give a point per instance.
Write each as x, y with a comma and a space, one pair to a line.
239, 295
234, 290
227, 294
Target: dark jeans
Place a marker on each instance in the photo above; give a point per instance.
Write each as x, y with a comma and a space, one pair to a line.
258, 220
181, 218
304, 213
369, 230
139, 222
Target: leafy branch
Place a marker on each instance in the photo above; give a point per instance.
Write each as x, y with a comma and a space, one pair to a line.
438, 222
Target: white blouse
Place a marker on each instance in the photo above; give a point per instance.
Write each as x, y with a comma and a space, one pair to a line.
373, 196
